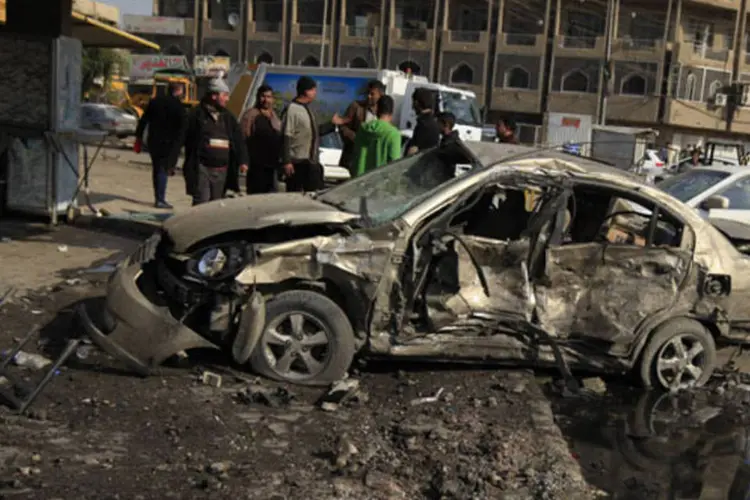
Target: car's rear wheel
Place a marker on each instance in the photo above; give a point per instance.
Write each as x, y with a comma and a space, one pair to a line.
680, 354
307, 340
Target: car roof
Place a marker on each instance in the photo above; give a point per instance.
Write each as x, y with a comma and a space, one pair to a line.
730, 169
492, 153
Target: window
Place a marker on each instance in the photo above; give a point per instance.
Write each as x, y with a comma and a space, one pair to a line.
517, 78
358, 62
687, 186
738, 195
690, 87
633, 85
575, 81
174, 50
462, 74
264, 57
309, 61
411, 67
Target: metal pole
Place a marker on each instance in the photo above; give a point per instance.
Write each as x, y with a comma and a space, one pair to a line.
323, 34
604, 89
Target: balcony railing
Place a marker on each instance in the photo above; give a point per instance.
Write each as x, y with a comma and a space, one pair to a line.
360, 32
267, 27
414, 34
577, 42
466, 36
705, 51
520, 39
310, 29
638, 43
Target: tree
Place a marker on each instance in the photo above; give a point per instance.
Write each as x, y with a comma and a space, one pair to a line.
99, 63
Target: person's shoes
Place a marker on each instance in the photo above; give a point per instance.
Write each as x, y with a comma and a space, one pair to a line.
163, 204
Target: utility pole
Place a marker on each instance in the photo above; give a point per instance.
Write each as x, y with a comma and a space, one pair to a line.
605, 72
323, 33
735, 88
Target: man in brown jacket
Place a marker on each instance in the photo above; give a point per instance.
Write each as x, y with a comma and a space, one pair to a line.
357, 113
262, 130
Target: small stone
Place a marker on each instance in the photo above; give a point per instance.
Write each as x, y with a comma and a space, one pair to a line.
211, 378
36, 458
326, 406
492, 402
278, 429
219, 467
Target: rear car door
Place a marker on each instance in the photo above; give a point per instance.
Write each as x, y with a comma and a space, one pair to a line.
621, 260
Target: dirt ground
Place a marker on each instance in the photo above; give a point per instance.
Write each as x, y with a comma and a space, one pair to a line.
97, 432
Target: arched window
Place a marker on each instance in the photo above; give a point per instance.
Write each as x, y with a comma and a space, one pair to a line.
264, 57
633, 84
462, 74
358, 62
517, 78
410, 66
221, 53
690, 87
310, 61
575, 81
715, 88
174, 50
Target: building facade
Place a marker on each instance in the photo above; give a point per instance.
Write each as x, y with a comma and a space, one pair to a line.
672, 64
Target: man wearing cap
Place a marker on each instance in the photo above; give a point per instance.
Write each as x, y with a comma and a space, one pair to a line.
214, 147
301, 139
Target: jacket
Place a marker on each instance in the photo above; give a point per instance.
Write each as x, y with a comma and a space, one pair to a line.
189, 137
164, 116
450, 138
378, 143
357, 113
301, 134
262, 138
426, 133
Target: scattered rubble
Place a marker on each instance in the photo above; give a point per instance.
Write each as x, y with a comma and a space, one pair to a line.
271, 397
341, 393
211, 378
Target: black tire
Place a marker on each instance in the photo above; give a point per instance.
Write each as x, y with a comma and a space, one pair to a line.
691, 331
320, 312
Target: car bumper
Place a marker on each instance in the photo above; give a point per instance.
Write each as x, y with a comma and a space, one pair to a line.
145, 334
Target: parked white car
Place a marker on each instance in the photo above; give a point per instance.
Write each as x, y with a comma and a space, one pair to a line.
108, 118
330, 154
717, 192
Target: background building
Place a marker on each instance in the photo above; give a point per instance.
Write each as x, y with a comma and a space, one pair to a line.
670, 64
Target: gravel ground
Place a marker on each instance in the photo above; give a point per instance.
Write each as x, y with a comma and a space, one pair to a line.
97, 432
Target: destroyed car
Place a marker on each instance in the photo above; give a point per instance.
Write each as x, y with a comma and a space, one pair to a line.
474, 252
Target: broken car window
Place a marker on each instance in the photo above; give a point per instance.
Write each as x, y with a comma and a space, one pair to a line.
390, 191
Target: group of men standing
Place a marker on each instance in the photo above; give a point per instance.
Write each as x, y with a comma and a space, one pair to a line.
264, 146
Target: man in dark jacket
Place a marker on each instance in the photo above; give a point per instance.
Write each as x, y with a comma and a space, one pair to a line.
426, 133
214, 147
447, 121
359, 112
164, 117
301, 139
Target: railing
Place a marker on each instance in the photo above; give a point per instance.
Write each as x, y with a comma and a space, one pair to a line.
466, 36
360, 32
267, 27
413, 34
310, 29
705, 51
578, 42
520, 39
638, 43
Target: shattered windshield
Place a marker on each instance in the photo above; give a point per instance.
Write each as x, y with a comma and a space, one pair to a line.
390, 191
463, 107
690, 184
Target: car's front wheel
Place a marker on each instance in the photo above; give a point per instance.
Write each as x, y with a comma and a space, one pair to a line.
307, 340
680, 354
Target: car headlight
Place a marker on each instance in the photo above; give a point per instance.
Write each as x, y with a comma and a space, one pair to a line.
219, 262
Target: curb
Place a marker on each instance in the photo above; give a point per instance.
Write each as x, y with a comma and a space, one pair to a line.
116, 225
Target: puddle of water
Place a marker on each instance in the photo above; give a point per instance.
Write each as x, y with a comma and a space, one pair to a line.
649, 445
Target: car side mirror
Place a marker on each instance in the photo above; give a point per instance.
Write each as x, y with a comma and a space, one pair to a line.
715, 203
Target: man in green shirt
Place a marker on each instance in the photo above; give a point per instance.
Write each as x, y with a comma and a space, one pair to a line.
378, 142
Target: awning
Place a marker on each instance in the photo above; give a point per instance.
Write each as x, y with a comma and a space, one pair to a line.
95, 33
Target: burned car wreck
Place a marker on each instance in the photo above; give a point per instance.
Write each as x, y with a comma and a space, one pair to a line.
484, 252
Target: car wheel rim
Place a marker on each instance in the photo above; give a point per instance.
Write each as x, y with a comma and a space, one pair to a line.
296, 346
681, 362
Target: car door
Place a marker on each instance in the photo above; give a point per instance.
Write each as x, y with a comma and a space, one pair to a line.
486, 257
738, 194
621, 261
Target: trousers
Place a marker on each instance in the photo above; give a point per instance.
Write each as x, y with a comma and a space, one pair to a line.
211, 184
308, 176
159, 177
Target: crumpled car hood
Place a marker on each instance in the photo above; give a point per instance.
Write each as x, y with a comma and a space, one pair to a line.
249, 212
